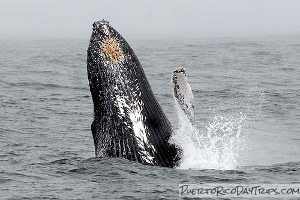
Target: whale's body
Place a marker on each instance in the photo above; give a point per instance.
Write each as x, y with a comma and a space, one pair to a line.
128, 121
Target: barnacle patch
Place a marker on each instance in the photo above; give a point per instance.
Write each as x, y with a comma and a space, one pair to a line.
111, 49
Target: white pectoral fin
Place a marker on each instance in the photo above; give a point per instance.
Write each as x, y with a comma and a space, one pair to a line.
184, 94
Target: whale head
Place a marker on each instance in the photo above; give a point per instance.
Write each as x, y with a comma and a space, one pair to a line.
107, 46
111, 64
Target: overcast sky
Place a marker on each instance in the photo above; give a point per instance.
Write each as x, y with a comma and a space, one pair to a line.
150, 18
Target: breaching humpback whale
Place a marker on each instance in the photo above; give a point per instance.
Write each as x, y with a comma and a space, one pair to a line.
128, 121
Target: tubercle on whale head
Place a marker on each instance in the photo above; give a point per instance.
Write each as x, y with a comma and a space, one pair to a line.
107, 43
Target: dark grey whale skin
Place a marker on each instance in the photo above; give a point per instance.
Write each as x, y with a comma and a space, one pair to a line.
113, 132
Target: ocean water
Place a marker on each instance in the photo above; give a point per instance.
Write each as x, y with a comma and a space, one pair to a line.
247, 107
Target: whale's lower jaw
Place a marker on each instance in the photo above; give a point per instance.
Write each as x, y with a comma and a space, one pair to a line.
128, 121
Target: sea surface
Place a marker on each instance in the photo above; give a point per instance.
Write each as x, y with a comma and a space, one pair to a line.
247, 107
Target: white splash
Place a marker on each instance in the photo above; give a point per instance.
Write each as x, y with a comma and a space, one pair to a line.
218, 146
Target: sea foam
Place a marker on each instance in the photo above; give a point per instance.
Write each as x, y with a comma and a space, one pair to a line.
218, 145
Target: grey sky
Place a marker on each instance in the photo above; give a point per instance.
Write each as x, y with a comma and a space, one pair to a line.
150, 18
